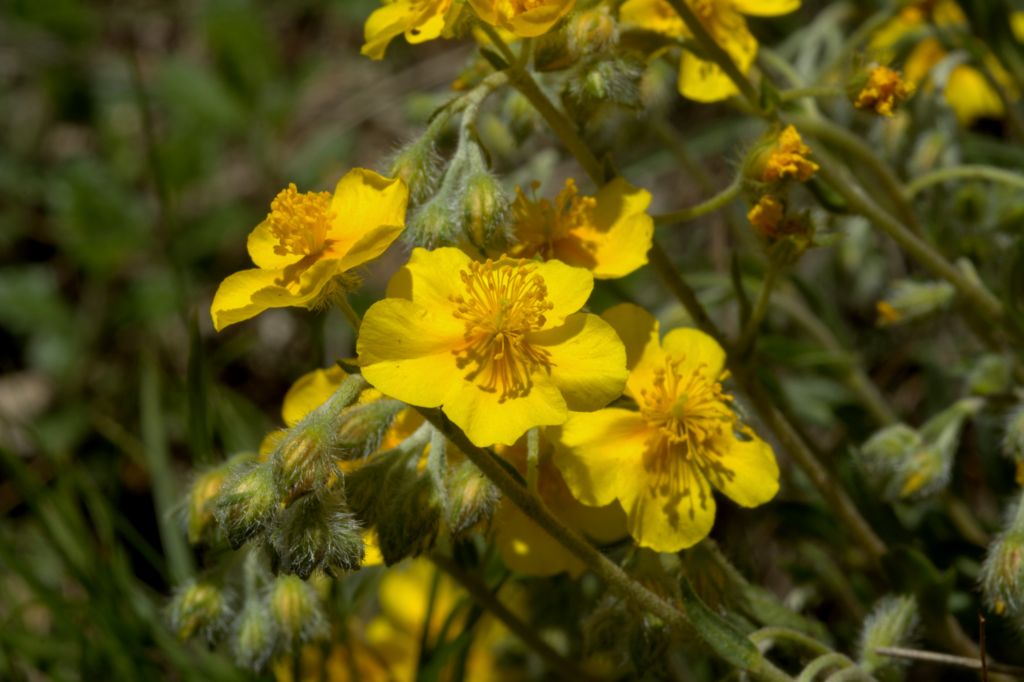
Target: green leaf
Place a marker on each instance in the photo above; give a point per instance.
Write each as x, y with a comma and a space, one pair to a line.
730, 644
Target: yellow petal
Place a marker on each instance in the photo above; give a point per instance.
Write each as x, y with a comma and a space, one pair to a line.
588, 361
535, 22
372, 555
751, 474
638, 330
362, 204
653, 15
488, 419
671, 522
971, 96
568, 289
702, 80
432, 26
622, 231
600, 454
430, 278
248, 293
261, 244
405, 350
309, 392
387, 23
698, 351
765, 8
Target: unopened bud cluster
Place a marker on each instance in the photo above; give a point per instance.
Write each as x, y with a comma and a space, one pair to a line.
1002, 574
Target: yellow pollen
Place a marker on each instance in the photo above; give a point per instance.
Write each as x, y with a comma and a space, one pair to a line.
689, 415
789, 159
883, 91
502, 304
541, 224
300, 221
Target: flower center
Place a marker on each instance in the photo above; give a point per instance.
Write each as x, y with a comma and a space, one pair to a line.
541, 224
689, 413
300, 221
502, 303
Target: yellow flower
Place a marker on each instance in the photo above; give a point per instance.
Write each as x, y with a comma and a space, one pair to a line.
787, 159
699, 79
609, 234
524, 18
308, 240
525, 547
661, 461
419, 20
883, 91
967, 91
766, 216
498, 344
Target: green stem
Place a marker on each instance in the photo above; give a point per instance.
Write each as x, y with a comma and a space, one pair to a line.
715, 52
822, 663
349, 312
532, 459
488, 600
924, 253
720, 200
748, 335
810, 91
766, 638
970, 172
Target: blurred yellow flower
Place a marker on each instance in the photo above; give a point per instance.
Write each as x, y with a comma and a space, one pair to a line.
766, 216
787, 159
883, 91
699, 79
967, 91
525, 547
662, 461
499, 345
310, 239
608, 234
524, 18
419, 20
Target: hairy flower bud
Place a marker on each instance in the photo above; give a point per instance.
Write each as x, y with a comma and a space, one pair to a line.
198, 609
592, 31
254, 636
1013, 439
485, 212
419, 166
248, 503
317, 533
434, 223
903, 462
296, 610
780, 156
990, 374
891, 623
882, 89
1002, 574
203, 496
409, 526
471, 497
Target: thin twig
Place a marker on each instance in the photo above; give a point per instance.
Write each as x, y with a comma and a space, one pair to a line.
949, 659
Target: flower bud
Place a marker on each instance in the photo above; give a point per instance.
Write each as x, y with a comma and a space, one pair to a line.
1002, 574
881, 90
485, 212
409, 525
614, 81
254, 636
891, 623
909, 300
203, 496
592, 31
198, 608
363, 426
778, 157
991, 374
903, 462
471, 497
296, 610
435, 223
248, 503
317, 533
419, 166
